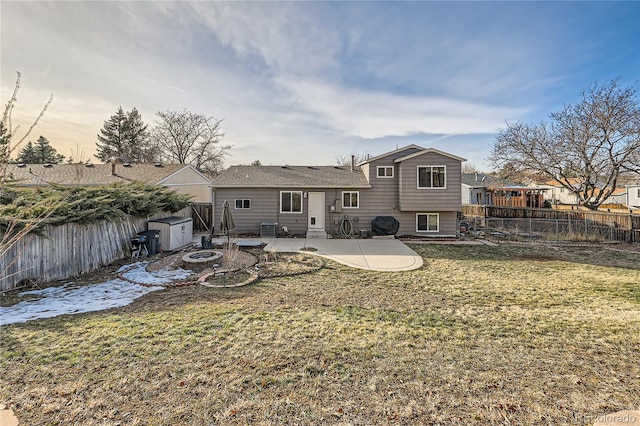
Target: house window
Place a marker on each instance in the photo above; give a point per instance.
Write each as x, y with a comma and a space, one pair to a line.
385, 171
638, 193
431, 177
243, 204
291, 202
350, 200
427, 222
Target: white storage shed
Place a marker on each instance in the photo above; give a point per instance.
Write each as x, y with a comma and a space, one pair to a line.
175, 231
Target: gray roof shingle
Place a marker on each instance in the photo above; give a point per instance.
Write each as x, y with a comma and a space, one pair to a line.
481, 180
82, 175
291, 176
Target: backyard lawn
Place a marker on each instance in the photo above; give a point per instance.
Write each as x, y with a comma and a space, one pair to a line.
480, 334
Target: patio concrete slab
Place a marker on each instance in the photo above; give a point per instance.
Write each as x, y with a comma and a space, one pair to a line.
373, 254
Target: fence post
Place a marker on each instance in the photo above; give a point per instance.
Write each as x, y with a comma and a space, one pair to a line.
630, 225
484, 215
586, 229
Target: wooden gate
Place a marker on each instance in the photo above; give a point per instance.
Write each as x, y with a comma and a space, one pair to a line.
202, 215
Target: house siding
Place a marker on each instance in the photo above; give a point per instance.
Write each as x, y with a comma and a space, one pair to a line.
264, 207
558, 193
188, 181
633, 196
466, 194
433, 199
381, 199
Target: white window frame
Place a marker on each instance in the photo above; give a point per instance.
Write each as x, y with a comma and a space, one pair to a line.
357, 196
385, 175
291, 195
437, 215
431, 171
242, 202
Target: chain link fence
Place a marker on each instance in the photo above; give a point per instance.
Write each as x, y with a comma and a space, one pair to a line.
551, 229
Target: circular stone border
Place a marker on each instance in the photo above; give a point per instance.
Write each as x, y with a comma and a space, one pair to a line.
253, 276
199, 258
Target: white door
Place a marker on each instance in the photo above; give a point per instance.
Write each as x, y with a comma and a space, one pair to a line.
316, 211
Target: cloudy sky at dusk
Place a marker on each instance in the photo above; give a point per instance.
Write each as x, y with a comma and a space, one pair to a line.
303, 82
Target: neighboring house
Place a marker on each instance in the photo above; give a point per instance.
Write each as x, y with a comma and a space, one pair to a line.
476, 188
558, 194
419, 187
481, 189
181, 178
633, 196
618, 196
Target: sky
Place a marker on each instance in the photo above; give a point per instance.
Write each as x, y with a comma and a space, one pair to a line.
302, 83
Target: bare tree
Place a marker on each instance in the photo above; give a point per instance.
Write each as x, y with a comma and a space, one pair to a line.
8, 132
586, 147
468, 168
345, 160
188, 138
15, 228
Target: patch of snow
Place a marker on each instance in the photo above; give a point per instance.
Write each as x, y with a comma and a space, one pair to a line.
71, 299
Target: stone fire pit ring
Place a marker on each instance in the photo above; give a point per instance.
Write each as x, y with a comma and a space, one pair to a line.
201, 258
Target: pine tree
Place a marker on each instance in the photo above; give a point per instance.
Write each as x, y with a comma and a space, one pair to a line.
124, 137
39, 153
111, 138
27, 154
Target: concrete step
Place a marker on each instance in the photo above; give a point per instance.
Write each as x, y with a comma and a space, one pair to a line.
316, 234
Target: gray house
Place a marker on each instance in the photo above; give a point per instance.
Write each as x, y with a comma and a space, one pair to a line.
419, 187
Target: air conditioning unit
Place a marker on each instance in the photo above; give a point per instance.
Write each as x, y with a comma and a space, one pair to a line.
268, 229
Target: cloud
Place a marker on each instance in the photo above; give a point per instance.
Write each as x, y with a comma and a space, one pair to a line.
285, 36
371, 115
290, 78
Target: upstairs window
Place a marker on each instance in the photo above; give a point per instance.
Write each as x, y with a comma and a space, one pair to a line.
291, 202
431, 177
350, 200
385, 171
243, 204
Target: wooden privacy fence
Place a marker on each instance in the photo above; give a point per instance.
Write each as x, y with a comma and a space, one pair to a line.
71, 249
202, 215
557, 223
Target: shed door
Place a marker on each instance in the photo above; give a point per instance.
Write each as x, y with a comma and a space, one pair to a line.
316, 211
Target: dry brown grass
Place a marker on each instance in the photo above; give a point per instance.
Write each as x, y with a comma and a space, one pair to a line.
479, 335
